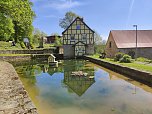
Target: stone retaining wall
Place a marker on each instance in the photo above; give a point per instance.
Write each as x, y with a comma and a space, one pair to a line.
138, 75
15, 58
14, 98
41, 51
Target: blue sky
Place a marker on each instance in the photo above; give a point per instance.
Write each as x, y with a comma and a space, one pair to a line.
101, 15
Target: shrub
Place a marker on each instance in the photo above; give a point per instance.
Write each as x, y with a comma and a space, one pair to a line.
32, 46
125, 59
118, 56
22, 45
132, 54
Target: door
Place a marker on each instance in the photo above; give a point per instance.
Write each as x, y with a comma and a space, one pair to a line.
79, 49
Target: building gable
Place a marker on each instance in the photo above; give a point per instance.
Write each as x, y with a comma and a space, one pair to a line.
111, 47
78, 31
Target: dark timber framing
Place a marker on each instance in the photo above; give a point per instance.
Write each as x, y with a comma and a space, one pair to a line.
83, 37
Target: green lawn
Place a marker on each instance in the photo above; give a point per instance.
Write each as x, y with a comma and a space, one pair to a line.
7, 46
136, 65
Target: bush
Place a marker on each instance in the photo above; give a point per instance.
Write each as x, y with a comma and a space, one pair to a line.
118, 56
22, 45
32, 46
125, 59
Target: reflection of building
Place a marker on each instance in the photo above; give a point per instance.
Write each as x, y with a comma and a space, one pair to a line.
78, 84
78, 39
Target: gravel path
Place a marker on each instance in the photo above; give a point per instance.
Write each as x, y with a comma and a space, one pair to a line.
13, 97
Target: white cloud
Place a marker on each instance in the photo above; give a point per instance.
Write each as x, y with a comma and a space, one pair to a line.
130, 12
63, 4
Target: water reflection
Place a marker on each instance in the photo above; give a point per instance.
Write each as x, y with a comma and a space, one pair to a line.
79, 84
55, 91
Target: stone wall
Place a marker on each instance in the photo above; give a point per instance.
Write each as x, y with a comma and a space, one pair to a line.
14, 98
15, 58
141, 52
110, 51
138, 75
41, 51
90, 50
68, 51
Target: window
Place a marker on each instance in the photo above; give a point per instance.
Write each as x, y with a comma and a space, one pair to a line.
84, 37
78, 27
110, 44
72, 37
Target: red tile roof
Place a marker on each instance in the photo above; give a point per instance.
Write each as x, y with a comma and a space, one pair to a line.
127, 38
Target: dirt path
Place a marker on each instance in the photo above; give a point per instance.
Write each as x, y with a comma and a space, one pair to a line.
13, 97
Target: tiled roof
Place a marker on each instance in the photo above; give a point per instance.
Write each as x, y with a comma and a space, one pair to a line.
127, 38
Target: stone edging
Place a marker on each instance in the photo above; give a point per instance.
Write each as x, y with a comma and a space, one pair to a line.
15, 58
14, 99
138, 75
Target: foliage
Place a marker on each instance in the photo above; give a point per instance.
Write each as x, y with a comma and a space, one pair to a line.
58, 41
37, 35
118, 56
31, 45
67, 20
8, 46
21, 15
99, 44
132, 54
6, 27
22, 45
125, 59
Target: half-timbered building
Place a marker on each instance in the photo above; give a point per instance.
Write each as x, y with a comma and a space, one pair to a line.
78, 39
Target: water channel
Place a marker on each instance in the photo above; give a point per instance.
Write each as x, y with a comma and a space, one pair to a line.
55, 91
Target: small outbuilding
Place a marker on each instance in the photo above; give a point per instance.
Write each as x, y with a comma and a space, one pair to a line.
125, 41
51, 39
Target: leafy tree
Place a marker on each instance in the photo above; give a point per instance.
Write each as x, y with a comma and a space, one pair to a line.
6, 27
67, 20
99, 43
37, 35
21, 13
58, 41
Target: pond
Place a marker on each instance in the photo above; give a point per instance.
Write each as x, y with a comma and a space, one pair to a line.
56, 91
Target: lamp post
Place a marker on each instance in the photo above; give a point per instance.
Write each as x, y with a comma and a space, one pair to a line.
136, 42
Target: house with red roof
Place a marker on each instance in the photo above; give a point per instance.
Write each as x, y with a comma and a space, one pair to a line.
125, 41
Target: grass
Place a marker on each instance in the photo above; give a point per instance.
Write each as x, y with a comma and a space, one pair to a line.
7, 46
136, 65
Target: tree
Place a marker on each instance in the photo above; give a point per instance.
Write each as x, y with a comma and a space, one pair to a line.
6, 27
67, 20
99, 44
37, 35
21, 14
58, 41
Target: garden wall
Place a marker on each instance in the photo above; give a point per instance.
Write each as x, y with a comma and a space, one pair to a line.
15, 58
138, 75
14, 99
41, 51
